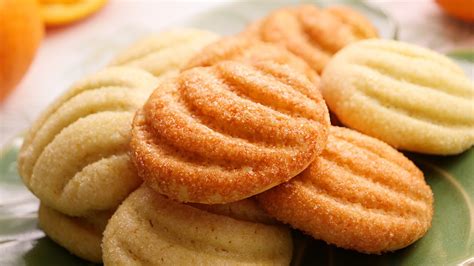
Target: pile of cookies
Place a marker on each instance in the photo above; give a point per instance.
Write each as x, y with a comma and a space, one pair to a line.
194, 149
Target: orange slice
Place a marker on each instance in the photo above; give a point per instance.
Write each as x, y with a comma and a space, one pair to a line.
461, 9
61, 12
21, 32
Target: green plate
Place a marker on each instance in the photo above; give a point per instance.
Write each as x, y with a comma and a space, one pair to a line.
450, 241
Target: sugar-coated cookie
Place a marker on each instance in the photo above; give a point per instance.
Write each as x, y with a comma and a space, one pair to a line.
240, 48
82, 236
408, 96
223, 133
313, 33
165, 52
359, 194
75, 157
150, 229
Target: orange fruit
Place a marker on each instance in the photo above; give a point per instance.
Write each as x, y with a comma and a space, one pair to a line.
61, 12
21, 31
461, 9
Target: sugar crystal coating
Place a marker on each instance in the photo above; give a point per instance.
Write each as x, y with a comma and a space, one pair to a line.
312, 33
149, 228
408, 96
79, 145
241, 48
360, 194
226, 132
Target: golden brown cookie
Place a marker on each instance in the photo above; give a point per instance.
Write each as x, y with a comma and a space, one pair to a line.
240, 48
359, 194
224, 133
150, 229
82, 236
408, 96
312, 33
165, 53
75, 157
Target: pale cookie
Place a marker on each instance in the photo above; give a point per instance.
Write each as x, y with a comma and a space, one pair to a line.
82, 236
75, 157
410, 97
150, 229
240, 48
224, 133
312, 33
359, 194
166, 52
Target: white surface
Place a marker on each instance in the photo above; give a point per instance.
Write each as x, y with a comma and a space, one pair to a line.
424, 23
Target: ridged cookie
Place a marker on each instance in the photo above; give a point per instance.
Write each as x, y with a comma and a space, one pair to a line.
410, 97
224, 133
82, 236
75, 157
166, 52
150, 229
312, 33
240, 48
359, 194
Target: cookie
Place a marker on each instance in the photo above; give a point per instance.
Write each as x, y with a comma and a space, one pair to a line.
82, 236
75, 157
151, 229
224, 133
410, 97
360, 194
312, 33
245, 210
239, 48
166, 52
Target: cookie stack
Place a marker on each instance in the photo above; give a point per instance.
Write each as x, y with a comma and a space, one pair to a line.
236, 140
75, 158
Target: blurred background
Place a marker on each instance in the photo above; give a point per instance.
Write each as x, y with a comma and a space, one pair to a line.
45, 47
